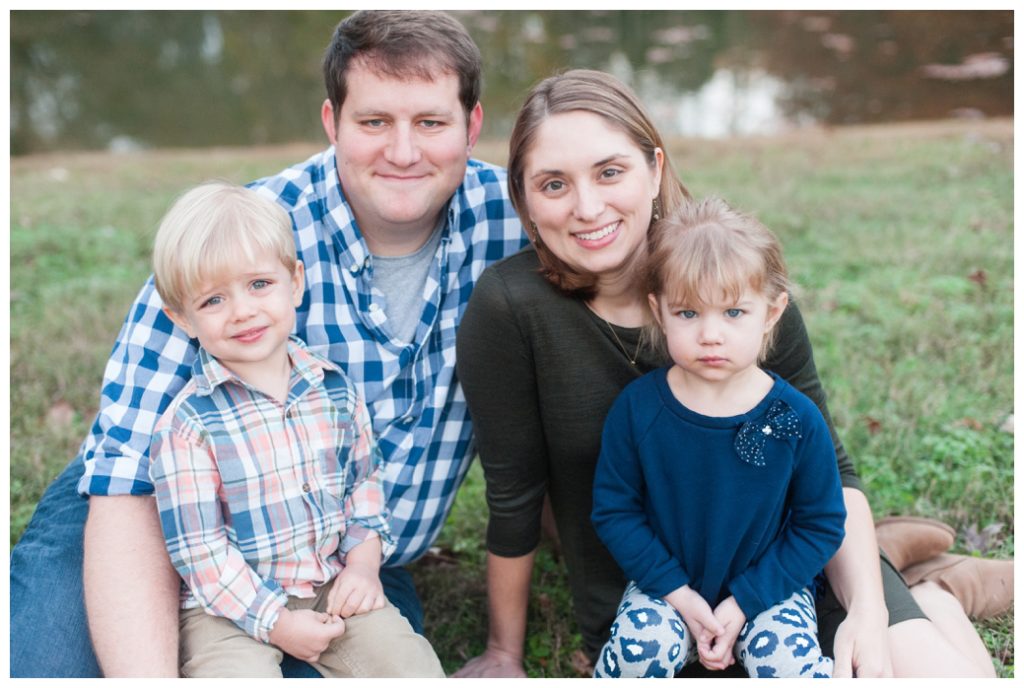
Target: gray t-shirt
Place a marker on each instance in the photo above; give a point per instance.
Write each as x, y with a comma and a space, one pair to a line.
400, 280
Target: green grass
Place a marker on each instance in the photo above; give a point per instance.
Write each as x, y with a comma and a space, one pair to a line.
900, 238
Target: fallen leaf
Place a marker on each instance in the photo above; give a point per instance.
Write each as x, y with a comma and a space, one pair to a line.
979, 277
874, 425
581, 664
972, 423
1007, 425
992, 529
60, 415
544, 601
984, 540
435, 556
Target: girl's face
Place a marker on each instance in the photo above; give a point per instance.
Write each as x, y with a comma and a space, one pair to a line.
589, 190
715, 341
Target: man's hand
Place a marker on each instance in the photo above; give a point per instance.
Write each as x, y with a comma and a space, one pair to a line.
493, 663
697, 614
356, 590
861, 648
719, 655
304, 633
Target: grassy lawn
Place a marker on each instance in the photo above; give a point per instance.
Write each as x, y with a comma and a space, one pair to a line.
900, 238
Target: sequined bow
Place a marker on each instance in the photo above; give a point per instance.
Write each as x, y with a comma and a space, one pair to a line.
780, 422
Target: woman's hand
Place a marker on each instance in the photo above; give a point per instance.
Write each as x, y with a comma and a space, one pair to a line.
861, 647
508, 591
493, 663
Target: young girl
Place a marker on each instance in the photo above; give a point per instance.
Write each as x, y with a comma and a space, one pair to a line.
716, 489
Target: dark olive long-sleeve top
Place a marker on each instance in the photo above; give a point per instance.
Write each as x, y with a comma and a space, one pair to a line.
540, 371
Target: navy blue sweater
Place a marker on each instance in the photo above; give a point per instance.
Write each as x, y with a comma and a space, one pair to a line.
679, 501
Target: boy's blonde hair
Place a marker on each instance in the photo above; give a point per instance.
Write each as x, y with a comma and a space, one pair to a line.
212, 228
705, 250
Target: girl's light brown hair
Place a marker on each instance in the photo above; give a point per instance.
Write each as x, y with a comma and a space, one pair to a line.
706, 251
213, 228
584, 90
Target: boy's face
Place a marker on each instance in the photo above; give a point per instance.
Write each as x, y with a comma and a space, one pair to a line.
244, 317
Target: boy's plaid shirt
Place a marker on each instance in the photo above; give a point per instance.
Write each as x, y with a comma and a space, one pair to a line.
260, 500
417, 408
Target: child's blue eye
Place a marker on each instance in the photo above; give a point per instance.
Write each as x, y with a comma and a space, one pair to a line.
212, 301
260, 284
688, 314
734, 312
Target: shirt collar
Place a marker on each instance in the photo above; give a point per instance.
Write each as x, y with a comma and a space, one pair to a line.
209, 373
352, 250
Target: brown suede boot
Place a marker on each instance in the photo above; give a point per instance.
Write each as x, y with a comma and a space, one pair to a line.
908, 540
984, 587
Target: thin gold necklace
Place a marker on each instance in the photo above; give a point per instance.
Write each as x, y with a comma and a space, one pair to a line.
639, 342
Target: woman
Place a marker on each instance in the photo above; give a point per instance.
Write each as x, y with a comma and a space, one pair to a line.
553, 334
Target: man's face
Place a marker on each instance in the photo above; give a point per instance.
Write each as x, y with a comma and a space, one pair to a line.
401, 148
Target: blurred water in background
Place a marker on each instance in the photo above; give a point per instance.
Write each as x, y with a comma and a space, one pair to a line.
129, 80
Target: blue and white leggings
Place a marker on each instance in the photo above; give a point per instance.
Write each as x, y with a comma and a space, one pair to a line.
649, 639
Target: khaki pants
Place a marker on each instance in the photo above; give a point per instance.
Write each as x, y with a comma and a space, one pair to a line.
378, 644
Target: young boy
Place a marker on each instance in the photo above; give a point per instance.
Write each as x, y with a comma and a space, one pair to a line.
266, 472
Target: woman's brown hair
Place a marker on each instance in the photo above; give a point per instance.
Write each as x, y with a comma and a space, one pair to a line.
584, 90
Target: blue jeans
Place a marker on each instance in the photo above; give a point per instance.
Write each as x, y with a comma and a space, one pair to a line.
49, 634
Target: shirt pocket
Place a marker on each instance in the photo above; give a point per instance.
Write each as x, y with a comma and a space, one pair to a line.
332, 476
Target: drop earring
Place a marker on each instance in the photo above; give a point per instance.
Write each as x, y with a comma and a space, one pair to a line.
655, 210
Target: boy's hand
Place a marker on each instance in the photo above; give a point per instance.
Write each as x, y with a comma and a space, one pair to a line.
717, 653
304, 633
356, 590
697, 614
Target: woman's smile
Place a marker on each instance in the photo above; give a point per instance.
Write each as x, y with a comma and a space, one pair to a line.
597, 238
589, 192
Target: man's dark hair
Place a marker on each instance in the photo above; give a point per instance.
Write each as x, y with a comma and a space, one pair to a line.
403, 44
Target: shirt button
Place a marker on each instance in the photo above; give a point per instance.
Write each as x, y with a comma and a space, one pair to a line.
355, 268
374, 308
306, 487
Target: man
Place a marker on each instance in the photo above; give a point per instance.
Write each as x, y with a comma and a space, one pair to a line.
394, 223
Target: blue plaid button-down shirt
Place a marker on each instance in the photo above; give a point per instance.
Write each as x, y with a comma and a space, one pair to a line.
418, 409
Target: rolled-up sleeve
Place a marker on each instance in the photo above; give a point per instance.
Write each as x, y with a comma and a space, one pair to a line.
365, 503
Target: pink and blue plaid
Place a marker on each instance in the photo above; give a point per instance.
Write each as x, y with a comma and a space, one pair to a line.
261, 500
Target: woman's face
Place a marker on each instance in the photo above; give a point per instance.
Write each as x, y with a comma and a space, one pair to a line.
589, 189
